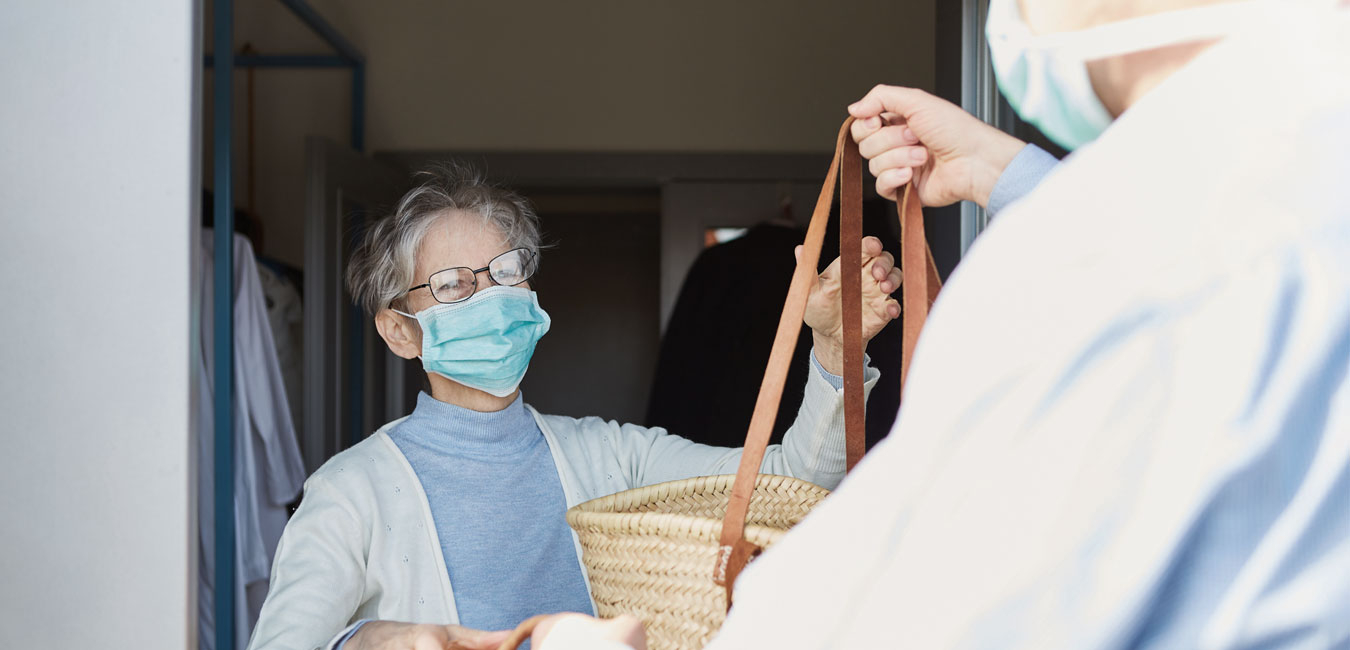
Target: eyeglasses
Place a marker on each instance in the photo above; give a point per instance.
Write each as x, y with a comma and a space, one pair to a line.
455, 284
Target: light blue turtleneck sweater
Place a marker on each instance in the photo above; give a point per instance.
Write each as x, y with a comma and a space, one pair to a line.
497, 502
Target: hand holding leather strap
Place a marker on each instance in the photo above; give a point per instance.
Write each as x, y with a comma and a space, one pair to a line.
920, 279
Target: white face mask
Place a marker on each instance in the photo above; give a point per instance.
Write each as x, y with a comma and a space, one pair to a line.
1045, 76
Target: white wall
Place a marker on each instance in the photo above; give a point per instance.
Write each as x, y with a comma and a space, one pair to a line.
98, 185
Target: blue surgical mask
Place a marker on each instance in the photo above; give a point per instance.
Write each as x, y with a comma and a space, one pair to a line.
1045, 76
486, 341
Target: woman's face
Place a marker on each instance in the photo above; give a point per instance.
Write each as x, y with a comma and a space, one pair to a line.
456, 239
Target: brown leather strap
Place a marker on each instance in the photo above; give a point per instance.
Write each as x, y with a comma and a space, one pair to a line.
737, 558
775, 377
735, 551
919, 289
915, 285
850, 284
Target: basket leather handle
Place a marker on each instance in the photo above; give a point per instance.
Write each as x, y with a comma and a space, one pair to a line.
920, 286
920, 290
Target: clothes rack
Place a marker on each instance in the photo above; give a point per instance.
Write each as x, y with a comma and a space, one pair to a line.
224, 62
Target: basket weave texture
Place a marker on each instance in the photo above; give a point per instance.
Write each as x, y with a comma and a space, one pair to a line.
651, 551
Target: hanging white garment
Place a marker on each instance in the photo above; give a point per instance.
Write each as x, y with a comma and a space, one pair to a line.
285, 312
269, 470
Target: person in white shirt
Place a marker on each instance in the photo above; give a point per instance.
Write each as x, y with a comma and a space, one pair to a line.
1127, 423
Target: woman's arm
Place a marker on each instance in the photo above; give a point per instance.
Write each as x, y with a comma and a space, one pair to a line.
318, 574
812, 449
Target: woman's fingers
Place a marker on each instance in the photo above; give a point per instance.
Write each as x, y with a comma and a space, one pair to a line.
463, 638
875, 258
892, 309
427, 640
881, 264
893, 281
871, 247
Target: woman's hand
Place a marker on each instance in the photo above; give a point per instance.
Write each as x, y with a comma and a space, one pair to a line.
391, 635
951, 155
824, 313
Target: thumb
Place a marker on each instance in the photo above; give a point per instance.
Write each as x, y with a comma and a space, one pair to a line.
797, 253
831, 272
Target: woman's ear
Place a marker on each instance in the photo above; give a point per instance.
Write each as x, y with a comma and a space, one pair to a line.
402, 334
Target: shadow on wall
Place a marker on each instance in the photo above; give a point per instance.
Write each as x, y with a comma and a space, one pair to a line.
599, 283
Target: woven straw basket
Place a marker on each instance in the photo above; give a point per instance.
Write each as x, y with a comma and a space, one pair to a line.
650, 551
670, 553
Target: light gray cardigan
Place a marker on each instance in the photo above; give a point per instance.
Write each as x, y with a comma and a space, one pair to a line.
363, 545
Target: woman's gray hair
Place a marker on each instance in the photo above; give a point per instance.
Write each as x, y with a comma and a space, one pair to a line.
381, 267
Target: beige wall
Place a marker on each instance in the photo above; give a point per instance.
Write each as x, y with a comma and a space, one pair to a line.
738, 75
587, 75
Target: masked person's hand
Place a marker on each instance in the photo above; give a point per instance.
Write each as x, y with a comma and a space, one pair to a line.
391, 635
906, 133
576, 631
880, 278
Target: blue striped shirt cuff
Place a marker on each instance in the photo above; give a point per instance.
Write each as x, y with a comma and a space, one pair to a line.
1027, 169
350, 633
835, 380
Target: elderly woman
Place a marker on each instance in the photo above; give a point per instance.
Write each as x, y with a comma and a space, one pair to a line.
454, 515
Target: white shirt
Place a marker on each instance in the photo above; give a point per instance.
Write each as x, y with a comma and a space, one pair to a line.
268, 469
1128, 419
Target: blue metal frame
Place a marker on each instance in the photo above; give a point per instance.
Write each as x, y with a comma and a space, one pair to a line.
225, 63
285, 61
327, 32
224, 326
347, 57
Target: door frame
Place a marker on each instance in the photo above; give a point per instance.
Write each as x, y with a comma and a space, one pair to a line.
333, 326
